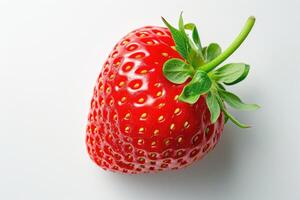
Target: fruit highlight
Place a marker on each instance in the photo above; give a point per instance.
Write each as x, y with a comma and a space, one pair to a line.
159, 102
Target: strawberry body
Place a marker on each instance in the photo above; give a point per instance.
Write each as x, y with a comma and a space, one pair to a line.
136, 123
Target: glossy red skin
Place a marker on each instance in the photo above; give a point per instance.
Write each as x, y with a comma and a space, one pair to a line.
131, 144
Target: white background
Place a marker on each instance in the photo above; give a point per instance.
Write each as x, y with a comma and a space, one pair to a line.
50, 55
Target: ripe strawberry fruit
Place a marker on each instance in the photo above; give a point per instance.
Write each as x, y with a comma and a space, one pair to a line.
158, 104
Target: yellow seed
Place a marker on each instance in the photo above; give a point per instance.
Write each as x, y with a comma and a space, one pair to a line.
131, 165
153, 155
143, 116
112, 76
165, 54
119, 141
158, 33
158, 94
131, 48
137, 85
173, 47
196, 138
141, 130
161, 118
122, 83
144, 71
117, 64
129, 147
141, 159
95, 130
140, 152
176, 111
141, 100
102, 102
150, 42
186, 124
157, 84
172, 126
176, 97
127, 116
142, 35
115, 117
108, 90
123, 99
128, 67
153, 143
109, 136
167, 142
161, 105
111, 102
124, 42
164, 165
138, 56
155, 132
101, 88
140, 141
166, 154
127, 129
167, 161
206, 130
179, 153
92, 118
179, 140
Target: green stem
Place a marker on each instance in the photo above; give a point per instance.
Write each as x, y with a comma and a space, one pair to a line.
234, 45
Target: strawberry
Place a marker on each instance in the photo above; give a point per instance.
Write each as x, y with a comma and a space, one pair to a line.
158, 103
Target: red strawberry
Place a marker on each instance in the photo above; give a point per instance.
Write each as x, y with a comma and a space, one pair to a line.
137, 123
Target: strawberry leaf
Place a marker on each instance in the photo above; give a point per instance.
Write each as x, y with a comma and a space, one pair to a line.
195, 35
204, 51
184, 45
189, 26
225, 119
177, 71
199, 85
221, 86
181, 23
213, 106
231, 73
229, 116
234, 120
180, 39
235, 102
196, 38
195, 57
212, 51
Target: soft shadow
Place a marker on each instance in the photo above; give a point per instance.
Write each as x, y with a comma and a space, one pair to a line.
210, 174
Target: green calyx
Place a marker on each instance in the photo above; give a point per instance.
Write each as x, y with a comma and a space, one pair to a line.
199, 68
